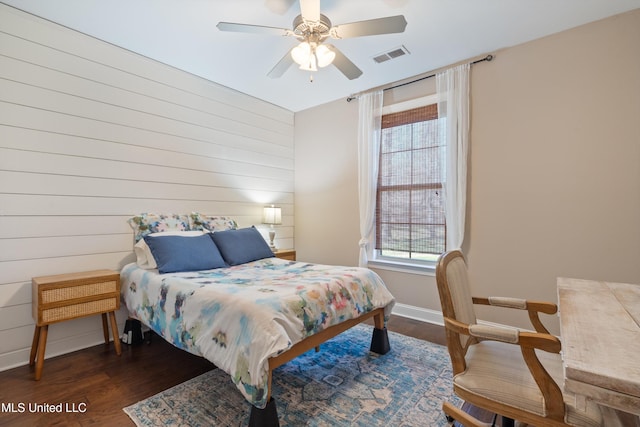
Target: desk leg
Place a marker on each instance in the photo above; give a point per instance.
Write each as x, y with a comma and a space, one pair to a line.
34, 346
105, 328
42, 344
114, 332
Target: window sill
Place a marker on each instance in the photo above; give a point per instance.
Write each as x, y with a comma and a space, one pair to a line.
403, 267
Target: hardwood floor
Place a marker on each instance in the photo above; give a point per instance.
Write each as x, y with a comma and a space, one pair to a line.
97, 384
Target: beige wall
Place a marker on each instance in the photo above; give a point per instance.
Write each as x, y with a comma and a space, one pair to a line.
554, 170
326, 184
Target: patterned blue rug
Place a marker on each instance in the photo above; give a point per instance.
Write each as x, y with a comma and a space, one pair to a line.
342, 385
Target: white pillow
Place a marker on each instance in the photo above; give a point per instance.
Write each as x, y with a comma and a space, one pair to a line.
144, 257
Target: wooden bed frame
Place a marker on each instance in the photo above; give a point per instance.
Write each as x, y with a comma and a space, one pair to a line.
268, 417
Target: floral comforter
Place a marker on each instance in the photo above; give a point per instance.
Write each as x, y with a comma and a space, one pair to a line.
239, 317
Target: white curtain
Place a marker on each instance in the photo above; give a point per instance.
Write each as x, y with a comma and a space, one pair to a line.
452, 87
369, 131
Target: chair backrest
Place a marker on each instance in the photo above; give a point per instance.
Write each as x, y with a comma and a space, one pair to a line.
456, 302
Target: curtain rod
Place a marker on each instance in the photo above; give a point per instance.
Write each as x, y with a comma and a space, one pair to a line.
487, 58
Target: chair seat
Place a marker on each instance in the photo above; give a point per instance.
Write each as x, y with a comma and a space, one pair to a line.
497, 371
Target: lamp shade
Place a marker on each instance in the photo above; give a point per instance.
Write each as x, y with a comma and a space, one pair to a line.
325, 55
272, 215
312, 55
301, 53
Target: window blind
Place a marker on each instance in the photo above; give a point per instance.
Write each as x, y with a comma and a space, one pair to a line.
410, 219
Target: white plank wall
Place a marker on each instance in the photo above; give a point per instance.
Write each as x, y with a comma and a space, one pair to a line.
91, 134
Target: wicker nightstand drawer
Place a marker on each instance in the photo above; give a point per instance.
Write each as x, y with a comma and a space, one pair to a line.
70, 296
71, 311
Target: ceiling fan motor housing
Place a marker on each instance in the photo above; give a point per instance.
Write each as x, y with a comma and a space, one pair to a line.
304, 28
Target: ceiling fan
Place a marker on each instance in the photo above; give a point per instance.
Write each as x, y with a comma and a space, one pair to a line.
312, 29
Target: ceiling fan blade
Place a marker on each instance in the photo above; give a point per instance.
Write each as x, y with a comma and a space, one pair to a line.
281, 67
343, 64
310, 10
255, 29
372, 27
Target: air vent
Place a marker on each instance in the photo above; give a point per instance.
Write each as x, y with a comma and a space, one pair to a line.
391, 54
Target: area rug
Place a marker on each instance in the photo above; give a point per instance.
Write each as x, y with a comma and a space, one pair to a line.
342, 385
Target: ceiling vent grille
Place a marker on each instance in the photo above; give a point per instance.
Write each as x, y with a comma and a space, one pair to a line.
391, 54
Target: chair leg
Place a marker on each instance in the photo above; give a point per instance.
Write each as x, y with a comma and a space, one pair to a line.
461, 417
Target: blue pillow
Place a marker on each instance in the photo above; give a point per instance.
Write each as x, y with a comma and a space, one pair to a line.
241, 246
181, 253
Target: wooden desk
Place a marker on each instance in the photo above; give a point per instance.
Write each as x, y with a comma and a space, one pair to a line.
600, 332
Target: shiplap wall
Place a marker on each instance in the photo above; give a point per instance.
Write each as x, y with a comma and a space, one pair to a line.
91, 134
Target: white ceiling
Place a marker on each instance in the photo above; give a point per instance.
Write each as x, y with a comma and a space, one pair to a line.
183, 33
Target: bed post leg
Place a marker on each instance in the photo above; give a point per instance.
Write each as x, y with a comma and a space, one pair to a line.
267, 417
380, 338
380, 341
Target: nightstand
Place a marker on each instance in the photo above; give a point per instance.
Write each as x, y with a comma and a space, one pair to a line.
70, 296
289, 254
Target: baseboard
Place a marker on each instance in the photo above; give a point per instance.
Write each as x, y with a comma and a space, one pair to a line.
63, 345
418, 313
20, 357
431, 316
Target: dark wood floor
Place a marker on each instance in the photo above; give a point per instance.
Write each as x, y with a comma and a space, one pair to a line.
98, 384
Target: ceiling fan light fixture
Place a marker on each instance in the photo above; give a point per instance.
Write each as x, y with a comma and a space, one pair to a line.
310, 56
324, 55
312, 29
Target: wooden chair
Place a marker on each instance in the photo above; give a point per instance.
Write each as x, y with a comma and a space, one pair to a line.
506, 371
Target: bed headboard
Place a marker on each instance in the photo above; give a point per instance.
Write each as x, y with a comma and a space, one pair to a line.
147, 223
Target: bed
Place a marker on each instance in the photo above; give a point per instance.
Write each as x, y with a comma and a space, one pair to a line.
246, 311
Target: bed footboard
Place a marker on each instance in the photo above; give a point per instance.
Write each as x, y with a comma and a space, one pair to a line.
268, 417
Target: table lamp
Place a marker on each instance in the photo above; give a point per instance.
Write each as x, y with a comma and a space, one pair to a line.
272, 215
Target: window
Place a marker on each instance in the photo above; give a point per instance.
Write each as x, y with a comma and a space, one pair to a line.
410, 217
